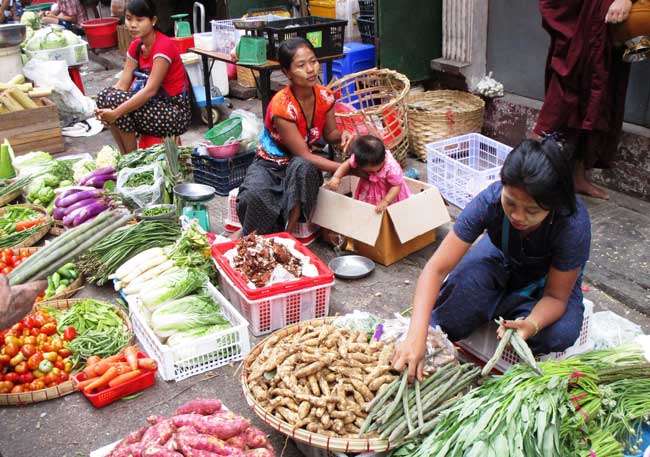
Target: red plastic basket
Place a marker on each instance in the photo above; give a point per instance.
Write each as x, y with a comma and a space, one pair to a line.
183, 44
108, 396
101, 33
325, 275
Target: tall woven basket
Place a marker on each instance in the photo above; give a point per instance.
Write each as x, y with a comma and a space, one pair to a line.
440, 114
374, 102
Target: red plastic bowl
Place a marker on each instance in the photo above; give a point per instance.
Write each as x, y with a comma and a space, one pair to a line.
108, 396
225, 151
101, 33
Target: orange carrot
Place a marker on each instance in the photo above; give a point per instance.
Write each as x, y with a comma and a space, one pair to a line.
148, 364
131, 354
101, 367
82, 384
124, 378
114, 358
102, 381
89, 371
24, 225
93, 359
122, 367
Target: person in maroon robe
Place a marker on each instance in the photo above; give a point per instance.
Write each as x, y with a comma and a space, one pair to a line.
586, 82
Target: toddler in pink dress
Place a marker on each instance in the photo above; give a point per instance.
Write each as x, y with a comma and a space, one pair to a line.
385, 184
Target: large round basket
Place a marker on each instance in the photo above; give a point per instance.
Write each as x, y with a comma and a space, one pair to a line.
330, 443
36, 237
10, 197
374, 102
68, 292
62, 389
441, 114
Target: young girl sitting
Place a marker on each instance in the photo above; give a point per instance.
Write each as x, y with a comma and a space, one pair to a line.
385, 183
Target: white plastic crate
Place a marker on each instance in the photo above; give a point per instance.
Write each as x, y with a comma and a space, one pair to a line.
303, 229
76, 54
483, 342
461, 167
204, 354
277, 311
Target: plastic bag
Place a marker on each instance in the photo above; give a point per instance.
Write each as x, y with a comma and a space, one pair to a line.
439, 351
143, 195
609, 330
359, 320
72, 104
252, 127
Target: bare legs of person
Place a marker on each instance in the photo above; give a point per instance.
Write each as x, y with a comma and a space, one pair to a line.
294, 215
586, 187
126, 141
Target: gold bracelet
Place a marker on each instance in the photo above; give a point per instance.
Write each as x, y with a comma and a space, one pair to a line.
534, 324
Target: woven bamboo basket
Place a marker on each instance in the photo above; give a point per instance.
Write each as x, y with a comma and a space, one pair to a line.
36, 237
57, 228
72, 289
440, 114
246, 77
62, 389
10, 197
375, 103
330, 443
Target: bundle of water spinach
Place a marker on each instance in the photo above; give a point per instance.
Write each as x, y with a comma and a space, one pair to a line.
401, 412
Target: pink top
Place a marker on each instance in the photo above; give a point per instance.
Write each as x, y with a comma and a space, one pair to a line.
375, 188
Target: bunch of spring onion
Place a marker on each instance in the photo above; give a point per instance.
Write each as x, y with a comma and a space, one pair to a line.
400, 412
8, 188
103, 259
68, 247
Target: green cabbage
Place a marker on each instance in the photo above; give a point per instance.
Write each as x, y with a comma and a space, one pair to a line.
171, 286
31, 19
187, 337
53, 40
185, 314
70, 37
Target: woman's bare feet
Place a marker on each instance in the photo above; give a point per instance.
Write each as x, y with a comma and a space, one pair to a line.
586, 187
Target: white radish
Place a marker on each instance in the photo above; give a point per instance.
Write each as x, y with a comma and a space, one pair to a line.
130, 264
134, 289
153, 272
144, 266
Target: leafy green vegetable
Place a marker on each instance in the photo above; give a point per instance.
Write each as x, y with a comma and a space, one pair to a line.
156, 211
140, 179
183, 338
171, 286
185, 314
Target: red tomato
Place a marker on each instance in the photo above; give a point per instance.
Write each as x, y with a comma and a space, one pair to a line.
39, 319
28, 350
17, 328
64, 352
5, 271
49, 328
69, 334
18, 390
30, 340
2, 264
4, 359
21, 368
60, 365
13, 377
34, 360
11, 349
63, 377
36, 385
24, 254
17, 261
26, 378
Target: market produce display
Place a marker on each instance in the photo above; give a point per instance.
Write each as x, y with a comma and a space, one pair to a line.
200, 427
19, 223
68, 247
33, 355
575, 408
116, 370
52, 176
103, 260
60, 281
257, 258
16, 95
319, 377
100, 329
77, 205
11, 190
102, 164
11, 258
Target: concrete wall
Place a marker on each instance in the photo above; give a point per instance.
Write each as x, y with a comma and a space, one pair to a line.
516, 52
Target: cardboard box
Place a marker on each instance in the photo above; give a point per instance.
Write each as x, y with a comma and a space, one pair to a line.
405, 227
35, 129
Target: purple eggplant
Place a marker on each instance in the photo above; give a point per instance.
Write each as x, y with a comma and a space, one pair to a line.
80, 204
97, 172
74, 198
89, 211
64, 194
99, 180
58, 213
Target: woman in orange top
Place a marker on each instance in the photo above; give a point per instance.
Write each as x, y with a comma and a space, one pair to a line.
282, 183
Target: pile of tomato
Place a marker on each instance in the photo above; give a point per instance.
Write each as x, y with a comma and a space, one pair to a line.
33, 355
10, 259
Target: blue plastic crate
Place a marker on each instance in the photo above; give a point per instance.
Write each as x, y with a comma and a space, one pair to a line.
358, 57
222, 174
645, 437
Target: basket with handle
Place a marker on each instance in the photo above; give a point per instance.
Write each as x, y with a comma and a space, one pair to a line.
441, 114
330, 443
66, 387
375, 103
44, 228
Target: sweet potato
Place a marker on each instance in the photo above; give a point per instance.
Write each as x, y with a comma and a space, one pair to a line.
132, 438
159, 433
255, 438
131, 450
260, 453
203, 406
159, 451
153, 420
238, 441
202, 442
222, 426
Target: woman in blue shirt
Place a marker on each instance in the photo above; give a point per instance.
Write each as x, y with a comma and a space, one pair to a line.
529, 265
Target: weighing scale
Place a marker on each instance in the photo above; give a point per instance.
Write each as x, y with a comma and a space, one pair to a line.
195, 195
181, 27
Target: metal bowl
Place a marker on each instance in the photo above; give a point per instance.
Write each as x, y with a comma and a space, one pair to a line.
193, 192
170, 214
12, 35
351, 266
